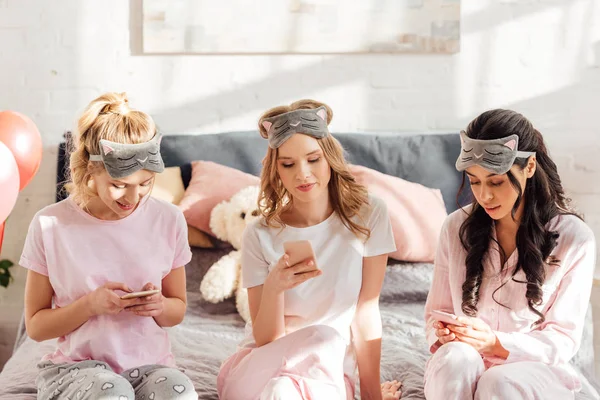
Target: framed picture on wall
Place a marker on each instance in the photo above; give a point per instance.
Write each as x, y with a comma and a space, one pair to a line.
300, 26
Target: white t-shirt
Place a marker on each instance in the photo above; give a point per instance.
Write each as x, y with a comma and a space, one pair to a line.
329, 299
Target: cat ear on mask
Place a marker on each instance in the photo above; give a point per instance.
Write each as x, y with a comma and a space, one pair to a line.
462, 136
511, 144
107, 149
322, 113
267, 125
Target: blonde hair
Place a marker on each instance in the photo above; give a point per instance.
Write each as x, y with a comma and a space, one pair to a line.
346, 195
106, 117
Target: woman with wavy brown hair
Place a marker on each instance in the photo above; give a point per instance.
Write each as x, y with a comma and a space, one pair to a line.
515, 269
315, 321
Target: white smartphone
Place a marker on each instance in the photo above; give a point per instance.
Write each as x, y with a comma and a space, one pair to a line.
139, 294
300, 250
446, 318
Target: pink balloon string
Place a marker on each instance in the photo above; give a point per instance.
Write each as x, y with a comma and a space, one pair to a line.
1, 235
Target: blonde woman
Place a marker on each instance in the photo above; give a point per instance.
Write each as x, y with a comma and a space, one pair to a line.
84, 253
315, 321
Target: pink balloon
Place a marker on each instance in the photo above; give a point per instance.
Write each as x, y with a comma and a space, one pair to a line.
9, 182
22, 137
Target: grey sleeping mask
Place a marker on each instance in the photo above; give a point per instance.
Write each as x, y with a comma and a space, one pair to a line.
496, 155
281, 127
121, 160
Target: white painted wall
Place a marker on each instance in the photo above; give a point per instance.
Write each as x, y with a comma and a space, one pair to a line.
540, 57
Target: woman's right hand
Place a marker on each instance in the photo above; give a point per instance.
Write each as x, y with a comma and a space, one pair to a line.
104, 300
443, 334
284, 276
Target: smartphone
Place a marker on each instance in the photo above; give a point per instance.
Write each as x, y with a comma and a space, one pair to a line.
139, 294
446, 318
299, 251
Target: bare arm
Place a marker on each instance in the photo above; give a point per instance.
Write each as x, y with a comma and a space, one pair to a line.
43, 322
366, 327
266, 301
266, 311
174, 298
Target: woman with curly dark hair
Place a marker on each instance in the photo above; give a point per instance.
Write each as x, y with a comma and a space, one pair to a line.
514, 269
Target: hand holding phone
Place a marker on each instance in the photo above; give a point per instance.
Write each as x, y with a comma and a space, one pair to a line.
298, 251
106, 301
446, 318
295, 267
152, 305
144, 293
444, 335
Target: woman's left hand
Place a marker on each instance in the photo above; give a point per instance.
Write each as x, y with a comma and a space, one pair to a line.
152, 306
479, 335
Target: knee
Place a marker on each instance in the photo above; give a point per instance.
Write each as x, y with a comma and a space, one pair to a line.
456, 356
322, 339
173, 375
115, 387
495, 381
231, 390
179, 385
279, 388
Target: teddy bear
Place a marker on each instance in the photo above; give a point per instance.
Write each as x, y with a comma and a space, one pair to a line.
227, 221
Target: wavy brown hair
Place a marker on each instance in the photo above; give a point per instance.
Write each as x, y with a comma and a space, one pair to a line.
543, 199
346, 195
107, 117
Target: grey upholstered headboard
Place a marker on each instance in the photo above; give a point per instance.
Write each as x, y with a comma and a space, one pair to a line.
425, 159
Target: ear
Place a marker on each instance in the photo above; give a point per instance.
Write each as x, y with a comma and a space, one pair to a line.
322, 113
107, 149
511, 144
267, 125
531, 166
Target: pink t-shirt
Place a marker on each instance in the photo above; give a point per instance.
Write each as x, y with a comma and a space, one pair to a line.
566, 294
79, 253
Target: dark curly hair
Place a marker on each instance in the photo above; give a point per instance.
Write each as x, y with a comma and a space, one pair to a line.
543, 199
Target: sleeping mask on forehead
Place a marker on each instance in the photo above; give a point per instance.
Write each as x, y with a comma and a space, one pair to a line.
121, 160
496, 155
280, 128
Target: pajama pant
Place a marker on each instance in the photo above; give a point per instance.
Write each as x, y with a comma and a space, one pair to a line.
456, 372
303, 365
95, 380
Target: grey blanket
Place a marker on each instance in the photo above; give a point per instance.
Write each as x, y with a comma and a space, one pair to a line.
210, 333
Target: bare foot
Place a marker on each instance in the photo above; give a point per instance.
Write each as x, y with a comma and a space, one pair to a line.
391, 390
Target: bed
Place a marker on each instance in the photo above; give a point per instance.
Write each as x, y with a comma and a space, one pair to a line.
210, 332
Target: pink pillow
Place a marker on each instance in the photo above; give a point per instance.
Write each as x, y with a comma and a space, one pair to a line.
210, 184
416, 212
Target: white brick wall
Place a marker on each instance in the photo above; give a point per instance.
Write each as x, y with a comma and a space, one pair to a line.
540, 57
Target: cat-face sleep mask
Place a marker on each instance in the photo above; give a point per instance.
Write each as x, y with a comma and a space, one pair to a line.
121, 160
281, 127
496, 155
